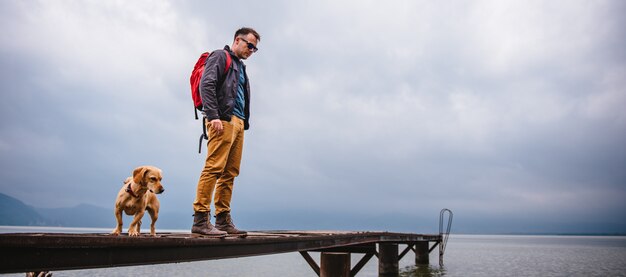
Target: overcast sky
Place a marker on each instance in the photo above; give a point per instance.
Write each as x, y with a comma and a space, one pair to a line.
502, 111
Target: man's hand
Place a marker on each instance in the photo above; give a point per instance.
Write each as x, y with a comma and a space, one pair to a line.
216, 124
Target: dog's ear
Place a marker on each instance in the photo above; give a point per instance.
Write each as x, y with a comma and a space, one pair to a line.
139, 174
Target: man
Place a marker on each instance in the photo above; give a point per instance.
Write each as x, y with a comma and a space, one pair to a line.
226, 105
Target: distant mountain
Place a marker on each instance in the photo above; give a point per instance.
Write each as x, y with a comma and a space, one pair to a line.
15, 212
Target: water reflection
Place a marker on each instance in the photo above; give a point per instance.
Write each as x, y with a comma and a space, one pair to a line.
423, 271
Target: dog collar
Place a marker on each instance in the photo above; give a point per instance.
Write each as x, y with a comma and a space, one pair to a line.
129, 190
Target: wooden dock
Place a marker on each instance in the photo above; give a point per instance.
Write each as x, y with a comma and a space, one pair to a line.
35, 252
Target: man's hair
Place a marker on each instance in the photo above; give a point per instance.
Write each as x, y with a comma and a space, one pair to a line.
244, 31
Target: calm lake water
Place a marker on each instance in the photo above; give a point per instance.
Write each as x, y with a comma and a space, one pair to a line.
466, 255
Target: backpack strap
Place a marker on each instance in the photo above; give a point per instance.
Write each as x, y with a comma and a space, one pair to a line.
229, 61
203, 135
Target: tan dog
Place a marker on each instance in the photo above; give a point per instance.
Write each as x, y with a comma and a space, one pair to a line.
137, 196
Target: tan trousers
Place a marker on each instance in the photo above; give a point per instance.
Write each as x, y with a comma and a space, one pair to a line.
221, 167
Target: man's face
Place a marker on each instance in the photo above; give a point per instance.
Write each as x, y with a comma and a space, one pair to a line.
240, 46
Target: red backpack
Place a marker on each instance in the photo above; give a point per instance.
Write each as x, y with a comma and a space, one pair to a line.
196, 76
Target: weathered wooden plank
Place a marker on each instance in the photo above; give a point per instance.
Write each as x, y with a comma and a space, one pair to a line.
24, 252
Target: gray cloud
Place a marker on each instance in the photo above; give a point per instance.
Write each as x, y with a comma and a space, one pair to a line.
496, 110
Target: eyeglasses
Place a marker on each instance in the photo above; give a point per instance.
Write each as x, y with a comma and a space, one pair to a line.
250, 45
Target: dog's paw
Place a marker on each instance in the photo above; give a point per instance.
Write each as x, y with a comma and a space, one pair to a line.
115, 233
133, 234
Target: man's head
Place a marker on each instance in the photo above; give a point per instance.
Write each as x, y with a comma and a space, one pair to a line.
244, 42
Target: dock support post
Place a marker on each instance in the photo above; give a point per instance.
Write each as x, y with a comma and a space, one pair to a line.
421, 253
335, 264
388, 259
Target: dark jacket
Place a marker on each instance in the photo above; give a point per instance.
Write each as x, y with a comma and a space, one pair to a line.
219, 92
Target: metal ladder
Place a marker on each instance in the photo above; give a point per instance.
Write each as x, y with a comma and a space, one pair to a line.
444, 236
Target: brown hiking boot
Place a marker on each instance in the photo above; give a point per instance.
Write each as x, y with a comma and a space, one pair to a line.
224, 222
202, 226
